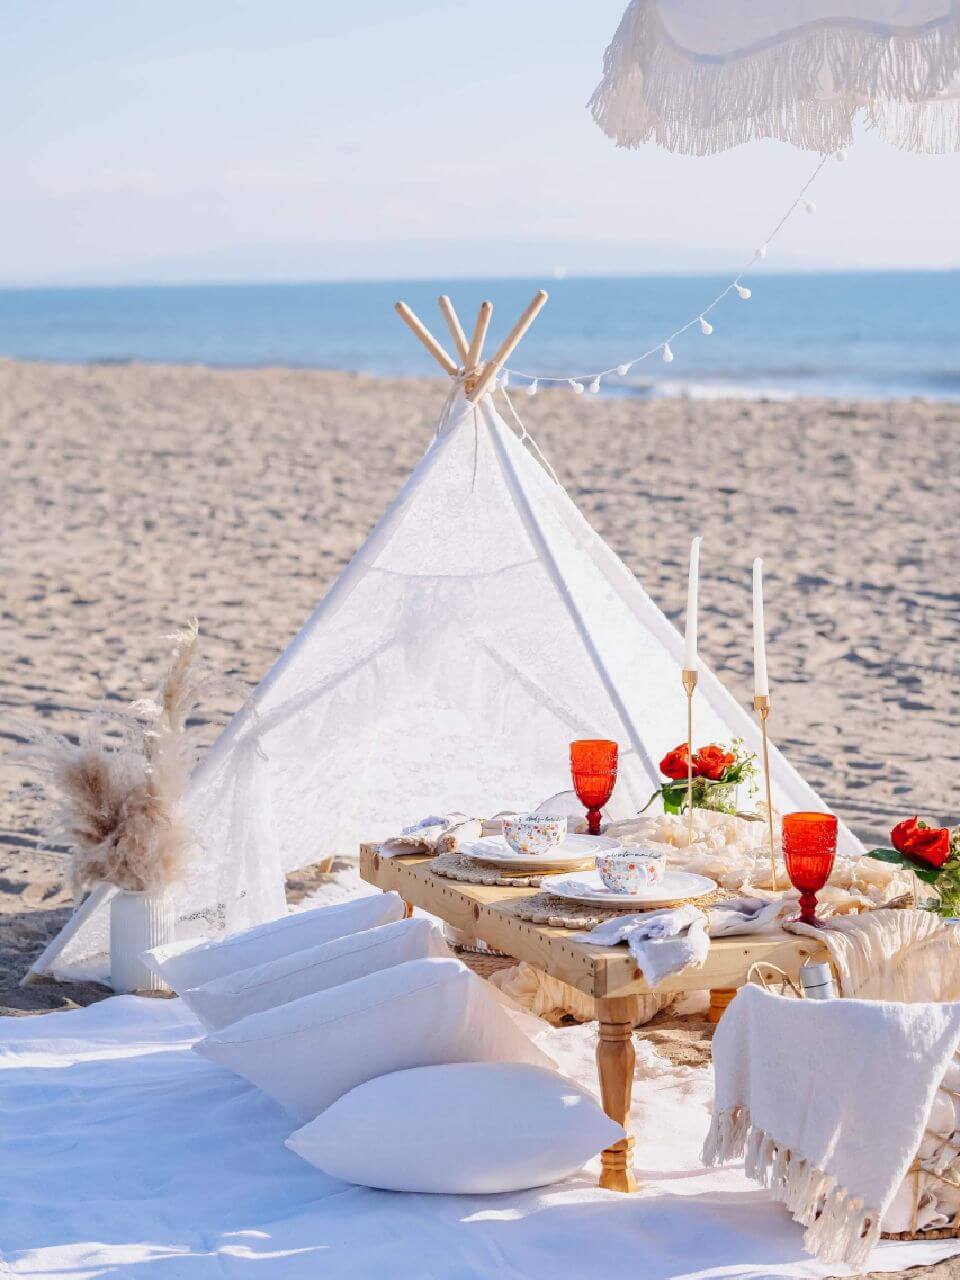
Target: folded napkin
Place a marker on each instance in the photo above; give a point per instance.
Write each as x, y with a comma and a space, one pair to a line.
434, 834
805, 1092
677, 938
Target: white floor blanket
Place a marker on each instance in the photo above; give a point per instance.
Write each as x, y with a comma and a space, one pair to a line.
124, 1154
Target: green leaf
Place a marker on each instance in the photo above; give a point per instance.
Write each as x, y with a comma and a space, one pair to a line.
929, 875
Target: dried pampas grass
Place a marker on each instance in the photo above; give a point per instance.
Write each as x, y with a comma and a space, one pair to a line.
115, 796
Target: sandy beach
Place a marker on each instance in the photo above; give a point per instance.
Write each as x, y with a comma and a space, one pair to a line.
136, 496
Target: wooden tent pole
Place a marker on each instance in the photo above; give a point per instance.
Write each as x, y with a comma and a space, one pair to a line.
493, 367
417, 326
479, 335
453, 324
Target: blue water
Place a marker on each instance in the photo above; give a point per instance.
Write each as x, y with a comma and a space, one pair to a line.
880, 334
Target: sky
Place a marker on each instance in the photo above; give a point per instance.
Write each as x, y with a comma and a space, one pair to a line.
340, 139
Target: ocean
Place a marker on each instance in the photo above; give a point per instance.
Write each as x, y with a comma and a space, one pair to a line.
867, 334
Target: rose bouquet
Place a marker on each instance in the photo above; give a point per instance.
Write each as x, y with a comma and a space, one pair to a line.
932, 854
717, 772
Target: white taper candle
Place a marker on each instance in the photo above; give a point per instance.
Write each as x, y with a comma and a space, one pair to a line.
761, 684
693, 586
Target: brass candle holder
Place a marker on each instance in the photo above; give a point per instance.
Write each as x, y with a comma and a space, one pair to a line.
689, 684
761, 704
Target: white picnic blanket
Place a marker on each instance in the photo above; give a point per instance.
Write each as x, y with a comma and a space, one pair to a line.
829, 1100
124, 1155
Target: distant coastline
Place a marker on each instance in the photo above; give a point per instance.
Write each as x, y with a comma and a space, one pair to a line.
862, 335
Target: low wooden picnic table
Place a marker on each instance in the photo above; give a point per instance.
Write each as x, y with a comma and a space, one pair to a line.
607, 973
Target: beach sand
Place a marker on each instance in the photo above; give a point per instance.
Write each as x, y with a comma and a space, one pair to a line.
134, 497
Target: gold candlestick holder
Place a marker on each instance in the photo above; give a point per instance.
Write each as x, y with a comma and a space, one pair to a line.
761, 704
689, 684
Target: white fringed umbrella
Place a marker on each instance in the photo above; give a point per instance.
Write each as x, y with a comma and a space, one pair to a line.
700, 76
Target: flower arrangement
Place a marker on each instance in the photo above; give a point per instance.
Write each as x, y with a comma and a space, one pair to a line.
114, 796
933, 855
717, 772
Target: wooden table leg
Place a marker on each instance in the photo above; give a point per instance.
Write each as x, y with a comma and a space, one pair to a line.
407, 908
720, 997
616, 1059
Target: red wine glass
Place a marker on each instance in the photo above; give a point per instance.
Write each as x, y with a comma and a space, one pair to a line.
593, 763
809, 850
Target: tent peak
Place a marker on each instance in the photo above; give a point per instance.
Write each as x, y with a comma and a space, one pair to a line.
477, 377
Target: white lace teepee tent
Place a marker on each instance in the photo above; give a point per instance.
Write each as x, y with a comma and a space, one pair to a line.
481, 627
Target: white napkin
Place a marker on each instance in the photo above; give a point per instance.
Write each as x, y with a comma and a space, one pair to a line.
433, 834
661, 942
677, 938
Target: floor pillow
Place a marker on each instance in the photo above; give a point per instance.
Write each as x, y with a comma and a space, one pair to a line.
308, 1053
226, 1000
470, 1128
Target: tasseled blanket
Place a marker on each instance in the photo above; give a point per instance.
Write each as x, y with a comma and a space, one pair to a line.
827, 1101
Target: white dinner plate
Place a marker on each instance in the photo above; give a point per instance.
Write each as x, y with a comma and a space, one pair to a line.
589, 888
572, 851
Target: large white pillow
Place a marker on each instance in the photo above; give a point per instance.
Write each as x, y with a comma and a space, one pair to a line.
265, 986
182, 965
471, 1128
308, 1053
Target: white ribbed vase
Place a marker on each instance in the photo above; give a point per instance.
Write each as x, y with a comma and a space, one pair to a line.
138, 921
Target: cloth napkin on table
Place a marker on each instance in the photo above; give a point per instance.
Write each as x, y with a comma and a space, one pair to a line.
805, 1091
434, 834
677, 938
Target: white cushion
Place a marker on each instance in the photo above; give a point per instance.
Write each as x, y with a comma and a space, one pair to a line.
182, 965
265, 986
468, 1129
307, 1053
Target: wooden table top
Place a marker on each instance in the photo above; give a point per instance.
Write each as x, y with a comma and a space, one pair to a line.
604, 972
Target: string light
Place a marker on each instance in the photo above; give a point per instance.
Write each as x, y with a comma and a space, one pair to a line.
593, 379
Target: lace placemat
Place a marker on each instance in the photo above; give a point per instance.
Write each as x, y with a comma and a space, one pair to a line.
546, 908
454, 866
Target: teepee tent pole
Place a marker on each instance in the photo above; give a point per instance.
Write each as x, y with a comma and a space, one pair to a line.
453, 324
506, 349
479, 335
413, 322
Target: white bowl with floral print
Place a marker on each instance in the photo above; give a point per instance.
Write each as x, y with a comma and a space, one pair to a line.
529, 834
632, 870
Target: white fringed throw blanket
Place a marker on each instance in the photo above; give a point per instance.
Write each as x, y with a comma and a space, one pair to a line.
827, 1101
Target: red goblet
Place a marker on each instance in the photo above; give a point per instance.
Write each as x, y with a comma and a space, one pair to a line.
593, 763
809, 848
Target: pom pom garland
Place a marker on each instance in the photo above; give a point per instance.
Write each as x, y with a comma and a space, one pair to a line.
592, 381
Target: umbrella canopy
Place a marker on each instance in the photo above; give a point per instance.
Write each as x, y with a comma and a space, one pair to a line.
700, 76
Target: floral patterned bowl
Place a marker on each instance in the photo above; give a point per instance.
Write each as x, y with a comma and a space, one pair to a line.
528, 833
632, 870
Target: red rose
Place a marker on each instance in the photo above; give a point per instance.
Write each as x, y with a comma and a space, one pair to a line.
929, 846
712, 762
675, 764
